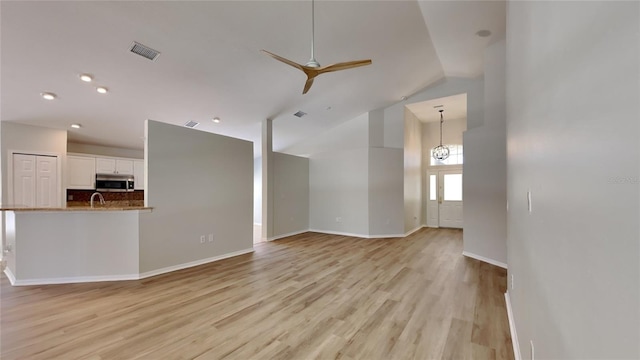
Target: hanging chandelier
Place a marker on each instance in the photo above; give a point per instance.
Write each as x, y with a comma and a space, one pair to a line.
440, 152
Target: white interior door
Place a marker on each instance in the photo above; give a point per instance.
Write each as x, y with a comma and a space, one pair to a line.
450, 198
24, 180
35, 181
47, 181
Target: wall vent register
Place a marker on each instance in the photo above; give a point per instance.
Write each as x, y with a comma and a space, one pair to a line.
144, 51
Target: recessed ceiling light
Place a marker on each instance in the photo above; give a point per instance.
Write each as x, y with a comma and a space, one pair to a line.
102, 90
76, 126
403, 98
216, 119
48, 95
86, 77
484, 33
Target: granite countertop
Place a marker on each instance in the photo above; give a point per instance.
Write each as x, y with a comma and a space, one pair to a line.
75, 208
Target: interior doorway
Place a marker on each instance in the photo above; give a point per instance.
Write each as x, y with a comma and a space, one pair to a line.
444, 198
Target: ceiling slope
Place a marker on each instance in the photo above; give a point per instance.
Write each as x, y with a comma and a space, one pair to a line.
210, 65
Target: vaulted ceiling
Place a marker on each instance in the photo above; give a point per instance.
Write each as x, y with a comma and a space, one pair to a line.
210, 64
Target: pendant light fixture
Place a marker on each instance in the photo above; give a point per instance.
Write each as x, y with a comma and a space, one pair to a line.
440, 152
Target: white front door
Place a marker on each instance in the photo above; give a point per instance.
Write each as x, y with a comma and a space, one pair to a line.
450, 207
444, 198
35, 181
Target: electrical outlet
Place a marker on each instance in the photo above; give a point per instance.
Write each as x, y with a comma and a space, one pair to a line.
211, 237
511, 281
202, 239
338, 219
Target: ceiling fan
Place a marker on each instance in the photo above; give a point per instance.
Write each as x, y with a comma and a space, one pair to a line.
313, 68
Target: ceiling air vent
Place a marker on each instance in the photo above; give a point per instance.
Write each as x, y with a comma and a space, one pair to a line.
191, 124
144, 51
300, 113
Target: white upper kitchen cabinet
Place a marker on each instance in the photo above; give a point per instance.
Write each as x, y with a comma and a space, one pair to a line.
105, 166
138, 174
124, 167
81, 172
114, 166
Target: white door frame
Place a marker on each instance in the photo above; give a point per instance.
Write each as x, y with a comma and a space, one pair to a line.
435, 170
433, 216
9, 168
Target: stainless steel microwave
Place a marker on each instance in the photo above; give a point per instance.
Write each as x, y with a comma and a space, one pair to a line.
114, 182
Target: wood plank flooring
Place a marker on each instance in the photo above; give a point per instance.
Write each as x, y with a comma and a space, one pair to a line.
311, 296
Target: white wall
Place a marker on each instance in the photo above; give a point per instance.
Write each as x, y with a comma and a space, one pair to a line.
351, 134
485, 194
65, 247
386, 174
573, 141
198, 183
106, 150
412, 172
291, 194
339, 188
485, 173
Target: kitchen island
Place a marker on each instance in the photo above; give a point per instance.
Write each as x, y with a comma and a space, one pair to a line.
71, 245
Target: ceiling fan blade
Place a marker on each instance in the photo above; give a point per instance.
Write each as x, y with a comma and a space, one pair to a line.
307, 85
286, 61
343, 66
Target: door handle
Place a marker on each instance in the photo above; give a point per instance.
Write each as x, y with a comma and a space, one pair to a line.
440, 200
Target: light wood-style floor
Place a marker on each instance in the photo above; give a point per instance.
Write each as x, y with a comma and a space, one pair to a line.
303, 297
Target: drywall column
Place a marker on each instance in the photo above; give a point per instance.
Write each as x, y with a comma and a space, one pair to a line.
485, 172
412, 172
267, 179
572, 144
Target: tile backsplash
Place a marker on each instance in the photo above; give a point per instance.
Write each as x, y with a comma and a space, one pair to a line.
112, 199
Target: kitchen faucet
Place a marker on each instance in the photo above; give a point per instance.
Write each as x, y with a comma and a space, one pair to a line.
99, 195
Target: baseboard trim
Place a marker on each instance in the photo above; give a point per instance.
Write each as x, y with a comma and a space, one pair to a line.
484, 259
363, 236
10, 276
385, 236
287, 235
412, 231
338, 233
73, 280
167, 269
123, 277
512, 327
